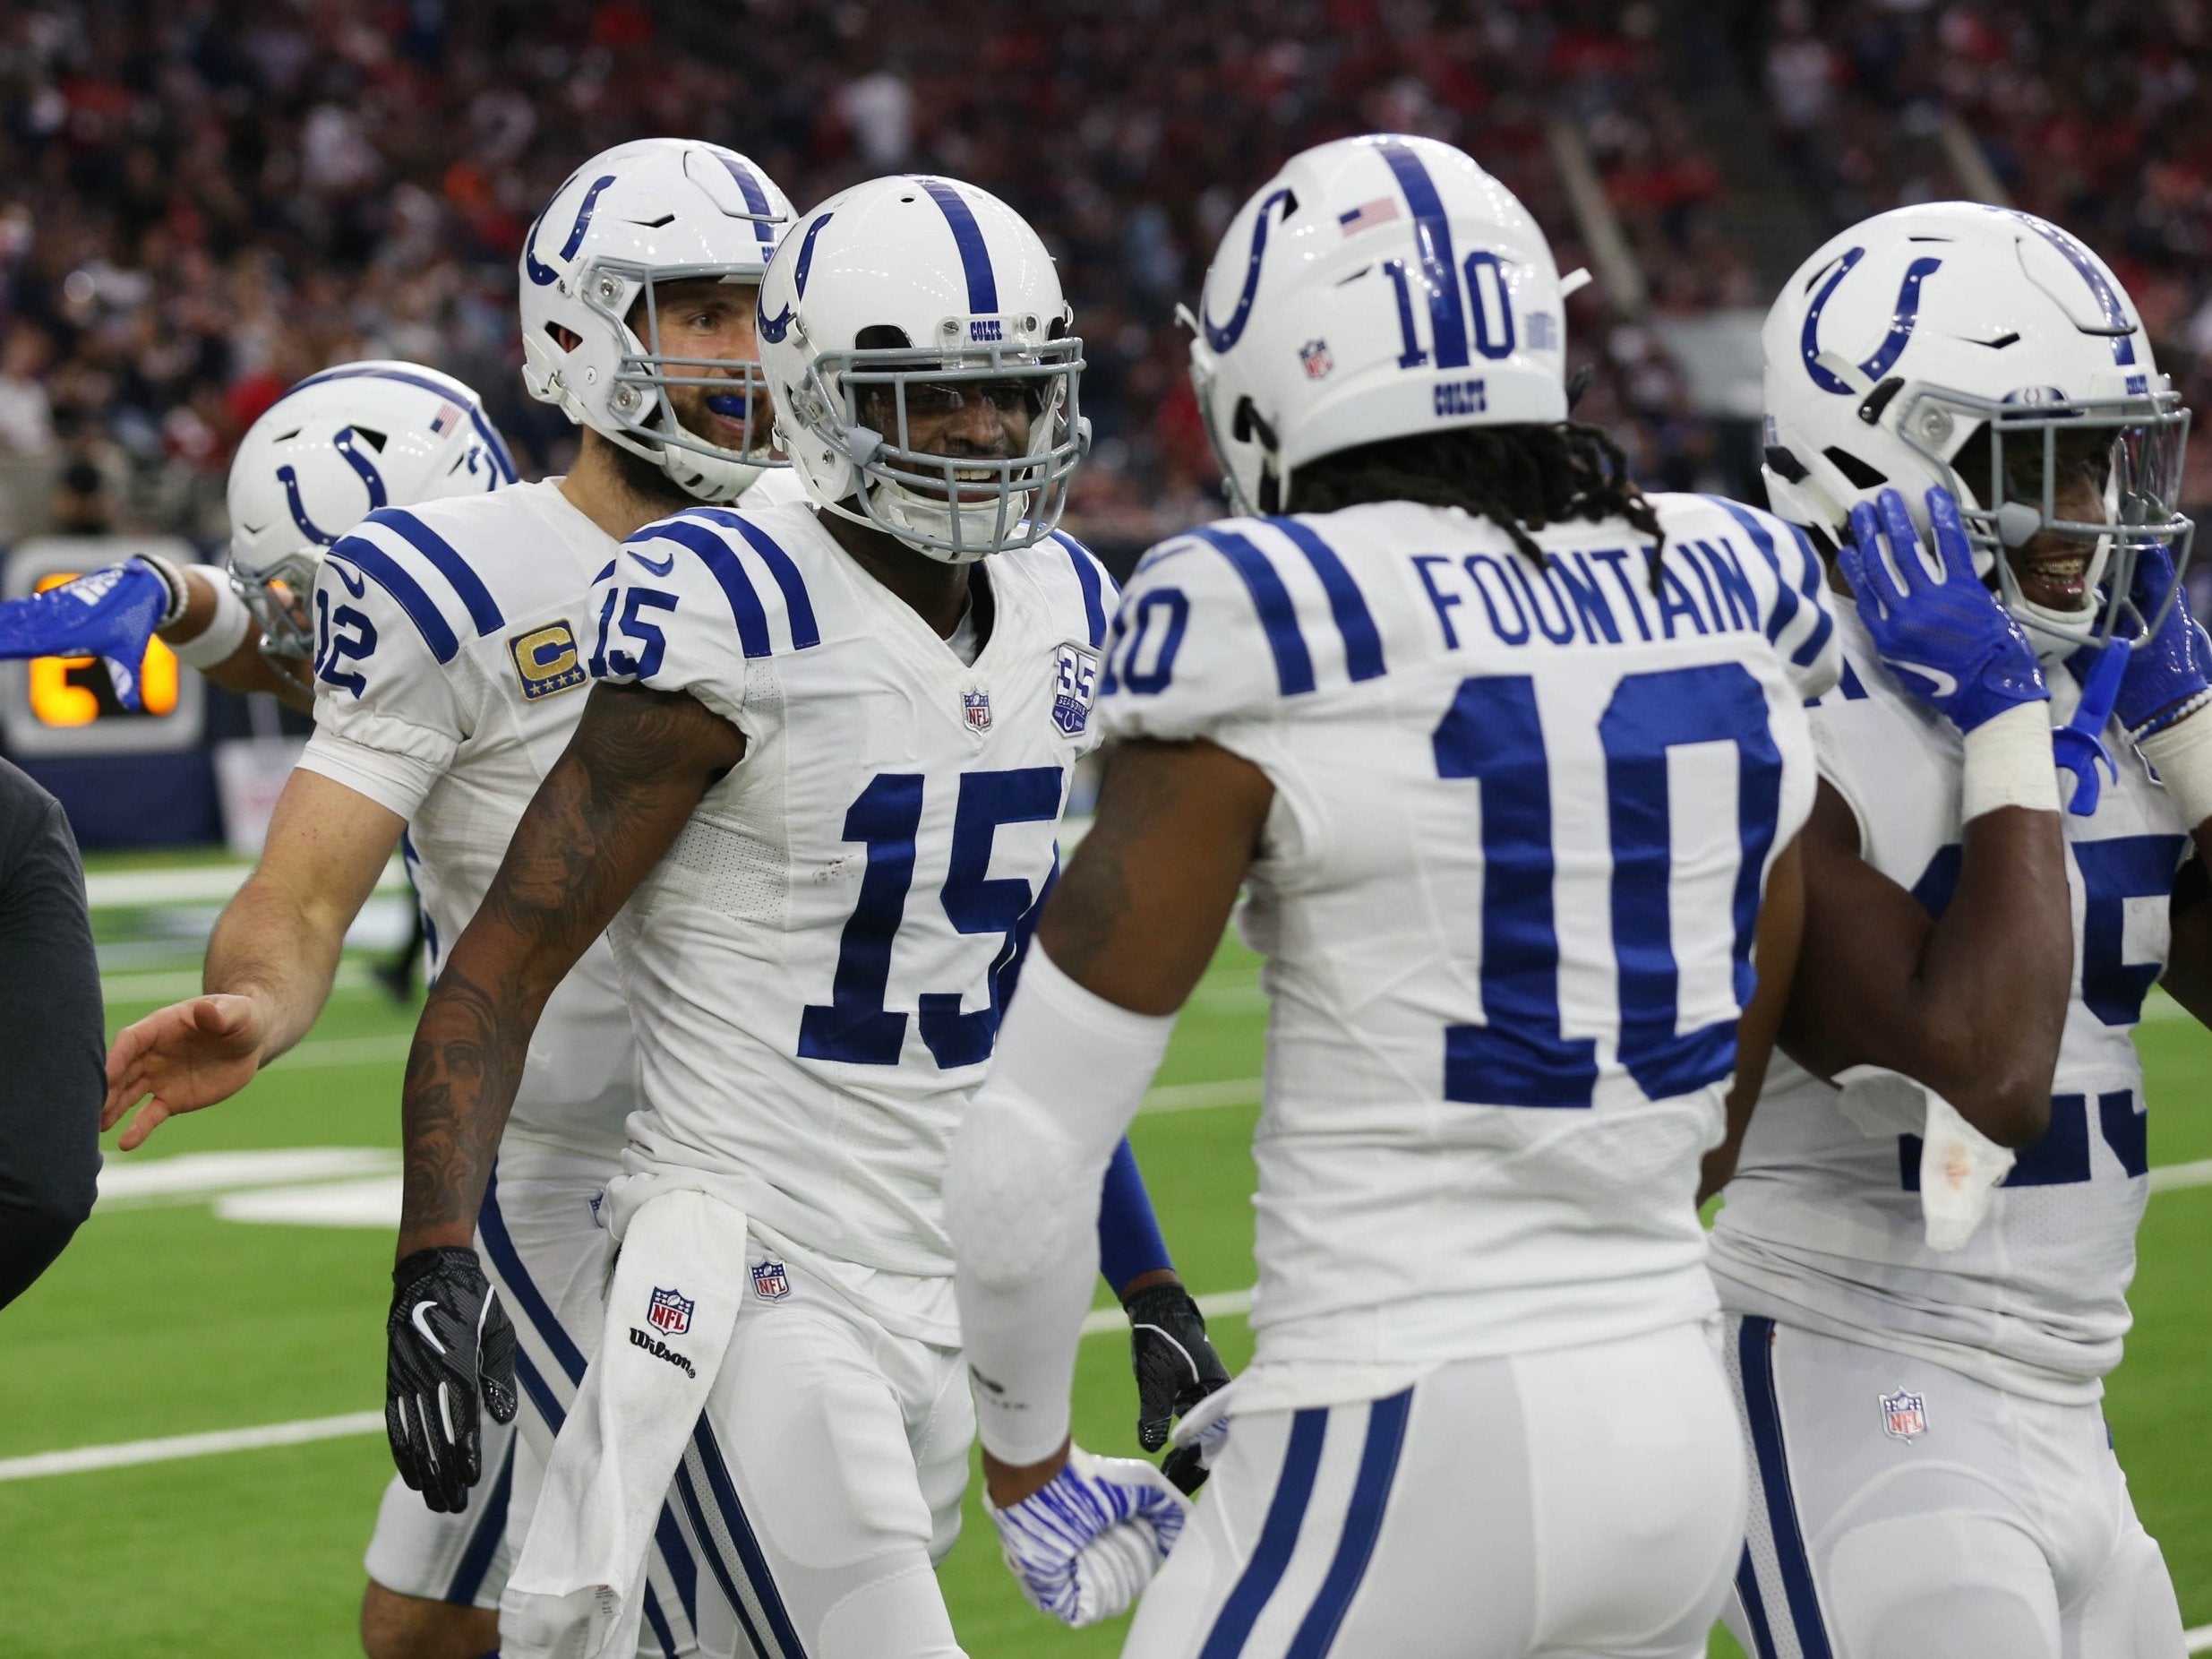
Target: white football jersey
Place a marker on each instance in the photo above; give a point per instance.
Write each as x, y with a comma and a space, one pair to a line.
818, 965
1822, 1225
450, 640
1507, 894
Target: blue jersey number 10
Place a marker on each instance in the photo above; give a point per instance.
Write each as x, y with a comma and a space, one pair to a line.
1519, 1056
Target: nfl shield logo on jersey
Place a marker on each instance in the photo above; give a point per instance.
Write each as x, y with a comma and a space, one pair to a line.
975, 706
1075, 686
1904, 1416
770, 1283
670, 1312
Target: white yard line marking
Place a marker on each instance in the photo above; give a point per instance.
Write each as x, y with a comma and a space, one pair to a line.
2200, 1639
2173, 1178
80, 1460
177, 984
124, 1179
1202, 1096
204, 884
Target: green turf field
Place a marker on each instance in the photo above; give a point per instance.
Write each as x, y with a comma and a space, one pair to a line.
167, 1319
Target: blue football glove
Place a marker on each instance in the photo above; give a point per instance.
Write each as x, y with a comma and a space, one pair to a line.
1085, 1547
1950, 642
109, 613
2170, 674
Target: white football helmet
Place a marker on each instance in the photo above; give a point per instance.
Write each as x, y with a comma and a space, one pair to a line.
331, 451
1920, 347
651, 211
1375, 288
907, 289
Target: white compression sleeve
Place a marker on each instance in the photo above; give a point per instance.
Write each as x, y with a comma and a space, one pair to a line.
2183, 753
1021, 1198
2008, 763
225, 630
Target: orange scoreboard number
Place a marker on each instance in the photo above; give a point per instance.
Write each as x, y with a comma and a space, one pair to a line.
75, 691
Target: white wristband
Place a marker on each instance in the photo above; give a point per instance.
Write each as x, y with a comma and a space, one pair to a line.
2008, 763
226, 630
2183, 753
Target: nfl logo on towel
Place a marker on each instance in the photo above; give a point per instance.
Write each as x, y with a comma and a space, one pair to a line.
670, 1314
1075, 686
770, 1283
1904, 1415
975, 706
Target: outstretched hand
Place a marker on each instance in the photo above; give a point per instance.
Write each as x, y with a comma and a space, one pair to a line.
187, 1055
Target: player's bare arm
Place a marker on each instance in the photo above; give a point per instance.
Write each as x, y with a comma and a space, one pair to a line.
1781, 929
1971, 1005
611, 807
1141, 908
247, 668
270, 963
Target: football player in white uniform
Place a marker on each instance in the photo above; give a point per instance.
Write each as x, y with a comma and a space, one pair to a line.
329, 452
1509, 757
819, 780
446, 641
1918, 1349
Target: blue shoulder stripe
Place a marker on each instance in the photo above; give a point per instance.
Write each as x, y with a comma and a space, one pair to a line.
804, 630
1094, 590
1786, 601
714, 552
380, 568
1363, 644
482, 610
1294, 665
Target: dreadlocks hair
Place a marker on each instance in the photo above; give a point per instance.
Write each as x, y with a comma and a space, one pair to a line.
1520, 478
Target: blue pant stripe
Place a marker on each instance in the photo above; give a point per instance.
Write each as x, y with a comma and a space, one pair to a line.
1755, 1352
492, 1225
658, 1622
688, 1490
484, 1540
1271, 1557
755, 1561
1363, 642
1278, 613
1754, 1608
1363, 1521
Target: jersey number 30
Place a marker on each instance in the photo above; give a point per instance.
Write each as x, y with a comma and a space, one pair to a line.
1519, 1056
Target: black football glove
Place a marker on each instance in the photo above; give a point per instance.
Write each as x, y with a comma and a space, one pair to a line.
447, 1342
1176, 1368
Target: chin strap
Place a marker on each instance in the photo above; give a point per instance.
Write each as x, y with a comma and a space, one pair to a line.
2079, 746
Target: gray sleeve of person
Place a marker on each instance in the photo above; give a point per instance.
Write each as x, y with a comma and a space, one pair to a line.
51, 1032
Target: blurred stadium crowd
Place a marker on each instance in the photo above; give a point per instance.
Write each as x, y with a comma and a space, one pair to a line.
200, 202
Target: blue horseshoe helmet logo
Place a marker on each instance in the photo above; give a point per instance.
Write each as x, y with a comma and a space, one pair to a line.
1903, 317
1222, 336
364, 468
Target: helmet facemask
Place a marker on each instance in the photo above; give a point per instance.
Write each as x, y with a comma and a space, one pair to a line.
278, 598
648, 424
2014, 463
956, 508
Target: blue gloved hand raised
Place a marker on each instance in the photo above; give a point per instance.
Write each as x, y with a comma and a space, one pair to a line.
110, 613
2169, 675
1948, 640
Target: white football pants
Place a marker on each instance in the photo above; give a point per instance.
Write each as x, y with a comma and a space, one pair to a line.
1904, 1510
1568, 1504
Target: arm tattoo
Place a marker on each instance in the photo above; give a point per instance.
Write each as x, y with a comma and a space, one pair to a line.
621, 793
